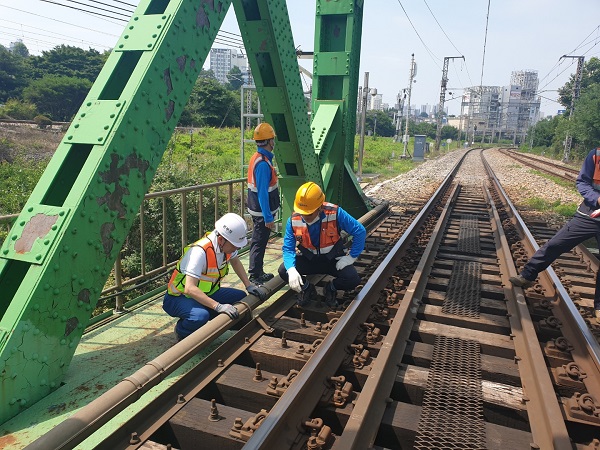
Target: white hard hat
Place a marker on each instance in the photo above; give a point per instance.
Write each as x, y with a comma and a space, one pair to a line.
233, 228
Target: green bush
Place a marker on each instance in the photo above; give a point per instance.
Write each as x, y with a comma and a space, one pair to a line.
42, 121
18, 110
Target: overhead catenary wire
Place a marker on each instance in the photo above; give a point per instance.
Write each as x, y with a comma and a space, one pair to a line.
431, 54
63, 22
86, 11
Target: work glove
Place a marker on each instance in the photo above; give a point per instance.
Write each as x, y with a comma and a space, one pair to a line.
255, 290
344, 261
295, 279
230, 310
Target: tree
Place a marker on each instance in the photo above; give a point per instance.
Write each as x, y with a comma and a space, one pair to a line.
424, 115
385, 127
58, 97
586, 120
542, 134
68, 61
14, 74
590, 75
449, 132
211, 104
20, 49
235, 79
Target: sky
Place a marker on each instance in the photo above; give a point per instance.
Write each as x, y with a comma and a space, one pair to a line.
521, 35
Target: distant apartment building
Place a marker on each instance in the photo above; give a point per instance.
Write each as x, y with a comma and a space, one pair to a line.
502, 112
376, 102
220, 63
222, 60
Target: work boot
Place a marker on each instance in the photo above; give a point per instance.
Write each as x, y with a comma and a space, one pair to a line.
261, 279
308, 293
521, 282
331, 295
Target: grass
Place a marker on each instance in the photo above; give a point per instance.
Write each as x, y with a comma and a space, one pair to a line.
563, 209
558, 180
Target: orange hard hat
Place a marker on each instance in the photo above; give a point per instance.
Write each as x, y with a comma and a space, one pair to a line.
309, 198
263, 132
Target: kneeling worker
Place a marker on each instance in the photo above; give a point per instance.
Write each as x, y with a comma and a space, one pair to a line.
315, 227
194, 293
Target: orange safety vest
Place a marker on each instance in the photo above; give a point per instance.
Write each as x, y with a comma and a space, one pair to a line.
329, 236
596, 177
210, 279
273, 189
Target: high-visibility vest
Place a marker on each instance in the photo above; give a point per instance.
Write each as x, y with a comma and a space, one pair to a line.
329, 233
210, 279
273, 189
596, 177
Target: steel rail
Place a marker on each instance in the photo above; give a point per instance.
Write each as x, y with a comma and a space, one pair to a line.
84, 422
363, 424
281, 422
545, 416
75, 429
583, 335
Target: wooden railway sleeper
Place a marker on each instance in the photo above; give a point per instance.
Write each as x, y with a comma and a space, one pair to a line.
244, 431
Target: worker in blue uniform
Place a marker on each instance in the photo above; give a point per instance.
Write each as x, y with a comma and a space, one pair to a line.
313, 244
263, 200
585, 224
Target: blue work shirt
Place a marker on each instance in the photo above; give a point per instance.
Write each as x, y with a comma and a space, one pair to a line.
345, 222
262, 176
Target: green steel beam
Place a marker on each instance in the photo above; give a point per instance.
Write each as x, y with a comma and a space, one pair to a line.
267, 35
59, 254
338, 31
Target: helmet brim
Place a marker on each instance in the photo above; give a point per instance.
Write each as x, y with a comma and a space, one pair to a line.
241, 244
298, 209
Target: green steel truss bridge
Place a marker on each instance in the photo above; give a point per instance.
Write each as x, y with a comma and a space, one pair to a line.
64, 243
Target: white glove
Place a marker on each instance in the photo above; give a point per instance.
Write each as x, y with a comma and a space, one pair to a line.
230, 310
344, 261
294, 279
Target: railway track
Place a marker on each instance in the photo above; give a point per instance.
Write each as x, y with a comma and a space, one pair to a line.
436, 350
558, 170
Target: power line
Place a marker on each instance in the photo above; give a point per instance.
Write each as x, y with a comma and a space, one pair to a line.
487, 19
436, 21
86, 11
49, 36
110, 6
61, 21
419, 36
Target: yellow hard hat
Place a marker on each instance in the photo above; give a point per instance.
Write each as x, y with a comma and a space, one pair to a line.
263, 132
309, 198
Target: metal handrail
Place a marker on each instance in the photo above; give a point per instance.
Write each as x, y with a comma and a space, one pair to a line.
121, 283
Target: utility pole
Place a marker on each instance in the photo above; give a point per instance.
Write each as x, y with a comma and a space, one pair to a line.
440, 112
363, 118
574, 97
413, 73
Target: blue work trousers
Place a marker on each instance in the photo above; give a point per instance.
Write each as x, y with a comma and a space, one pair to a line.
580, 228
258, 246
345, 279
192, 315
